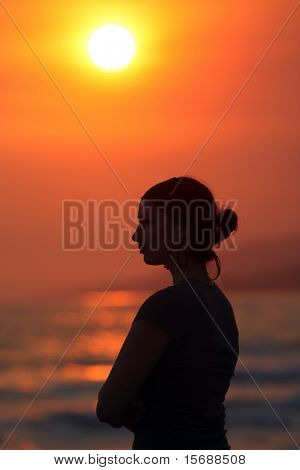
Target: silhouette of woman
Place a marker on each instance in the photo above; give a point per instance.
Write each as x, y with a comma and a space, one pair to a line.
169, 382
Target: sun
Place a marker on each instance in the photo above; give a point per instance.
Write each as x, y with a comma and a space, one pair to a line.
111, 47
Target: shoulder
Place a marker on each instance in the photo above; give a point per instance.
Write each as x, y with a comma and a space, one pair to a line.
166, 298
164, 310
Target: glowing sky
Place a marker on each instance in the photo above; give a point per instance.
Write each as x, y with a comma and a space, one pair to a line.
149, 121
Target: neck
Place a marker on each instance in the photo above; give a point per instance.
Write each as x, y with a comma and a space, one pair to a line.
192, 270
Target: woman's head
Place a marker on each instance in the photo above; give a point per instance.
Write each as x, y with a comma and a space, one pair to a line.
180, 215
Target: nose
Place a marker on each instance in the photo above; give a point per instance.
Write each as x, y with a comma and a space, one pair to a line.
137, 236
133, 238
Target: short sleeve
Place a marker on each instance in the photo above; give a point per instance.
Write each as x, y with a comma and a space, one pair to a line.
163, 309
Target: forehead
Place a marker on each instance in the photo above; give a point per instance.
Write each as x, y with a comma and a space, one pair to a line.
147, 209
144, 207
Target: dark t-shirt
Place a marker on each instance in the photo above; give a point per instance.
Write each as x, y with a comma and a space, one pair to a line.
185, 392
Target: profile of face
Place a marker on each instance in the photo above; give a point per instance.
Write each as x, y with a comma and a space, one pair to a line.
150, 233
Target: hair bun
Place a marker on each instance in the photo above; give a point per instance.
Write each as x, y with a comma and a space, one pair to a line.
228, 222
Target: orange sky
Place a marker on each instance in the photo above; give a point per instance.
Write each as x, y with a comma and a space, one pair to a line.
149, 120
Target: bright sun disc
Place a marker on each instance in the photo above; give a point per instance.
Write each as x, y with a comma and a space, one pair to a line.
111, 47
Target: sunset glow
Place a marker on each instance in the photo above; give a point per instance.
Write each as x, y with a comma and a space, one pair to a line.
148, 121
112, 47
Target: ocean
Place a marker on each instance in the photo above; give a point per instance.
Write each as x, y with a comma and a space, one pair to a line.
262, 404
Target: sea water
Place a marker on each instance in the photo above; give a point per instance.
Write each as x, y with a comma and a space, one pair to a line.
56, 355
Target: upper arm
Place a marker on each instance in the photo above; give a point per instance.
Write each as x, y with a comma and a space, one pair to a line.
141, 350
